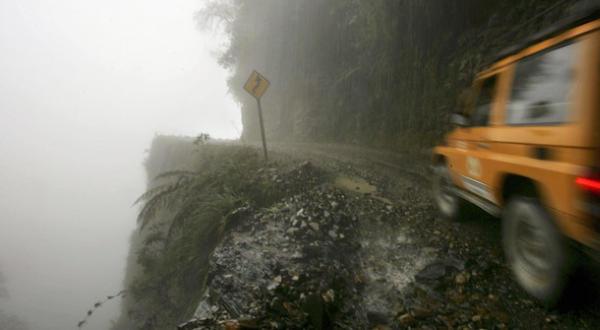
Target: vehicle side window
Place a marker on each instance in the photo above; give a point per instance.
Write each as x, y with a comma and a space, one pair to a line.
542, 87
483, 106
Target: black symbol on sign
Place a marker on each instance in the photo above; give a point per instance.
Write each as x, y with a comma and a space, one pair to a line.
257, 80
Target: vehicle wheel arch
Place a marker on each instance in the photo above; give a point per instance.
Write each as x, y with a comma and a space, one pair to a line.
514, 184
439, 159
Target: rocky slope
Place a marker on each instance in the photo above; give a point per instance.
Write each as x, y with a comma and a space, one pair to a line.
352, 246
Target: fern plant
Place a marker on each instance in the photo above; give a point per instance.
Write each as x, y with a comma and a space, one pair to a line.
183, 217
220, 183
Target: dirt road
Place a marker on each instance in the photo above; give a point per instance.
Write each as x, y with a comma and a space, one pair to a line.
362, 242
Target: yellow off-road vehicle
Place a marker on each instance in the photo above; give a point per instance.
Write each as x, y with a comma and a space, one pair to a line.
527, 148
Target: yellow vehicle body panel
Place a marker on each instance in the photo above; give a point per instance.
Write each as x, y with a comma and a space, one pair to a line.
481, 158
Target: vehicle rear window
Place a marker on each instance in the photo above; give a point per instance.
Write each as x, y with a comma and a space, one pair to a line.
542, 87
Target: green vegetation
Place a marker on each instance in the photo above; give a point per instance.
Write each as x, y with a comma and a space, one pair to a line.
380, 73
183, 217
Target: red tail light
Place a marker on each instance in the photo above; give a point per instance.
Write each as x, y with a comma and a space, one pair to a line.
589, 184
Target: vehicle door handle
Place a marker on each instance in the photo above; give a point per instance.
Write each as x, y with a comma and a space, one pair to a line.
483, 145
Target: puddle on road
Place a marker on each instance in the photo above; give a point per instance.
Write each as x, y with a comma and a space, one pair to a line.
355, 184
358, 185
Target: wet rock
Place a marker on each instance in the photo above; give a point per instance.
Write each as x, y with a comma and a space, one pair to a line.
461, 278
377, 317
438, 269
328, 296
406, 320
421, 312
196, 323
275, 283
431, 272
204, 311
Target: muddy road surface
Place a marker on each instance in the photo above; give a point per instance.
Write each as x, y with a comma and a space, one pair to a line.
358, 245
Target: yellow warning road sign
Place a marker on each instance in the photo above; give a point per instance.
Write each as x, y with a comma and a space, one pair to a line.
257, 84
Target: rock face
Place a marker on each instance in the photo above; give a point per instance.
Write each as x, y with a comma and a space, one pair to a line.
375, 73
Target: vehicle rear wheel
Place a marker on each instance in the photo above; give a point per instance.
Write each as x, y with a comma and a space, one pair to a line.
446, 200
539, 256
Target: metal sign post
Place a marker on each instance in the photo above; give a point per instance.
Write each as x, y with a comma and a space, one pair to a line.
262, 129
256, 86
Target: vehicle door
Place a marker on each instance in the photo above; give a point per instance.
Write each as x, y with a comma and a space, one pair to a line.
476, 173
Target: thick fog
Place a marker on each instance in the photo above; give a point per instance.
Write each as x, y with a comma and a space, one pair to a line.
84, 86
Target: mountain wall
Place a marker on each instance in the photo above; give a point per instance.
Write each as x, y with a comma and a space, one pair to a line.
377, 73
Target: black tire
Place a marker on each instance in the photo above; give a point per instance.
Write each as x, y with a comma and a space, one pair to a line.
539, 256
449, 205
